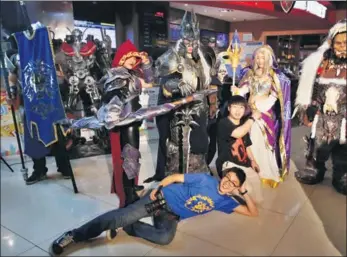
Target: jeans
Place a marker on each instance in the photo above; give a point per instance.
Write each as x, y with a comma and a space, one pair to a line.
161, 233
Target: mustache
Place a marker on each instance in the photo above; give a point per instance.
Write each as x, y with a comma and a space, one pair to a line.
339, 57
336, 56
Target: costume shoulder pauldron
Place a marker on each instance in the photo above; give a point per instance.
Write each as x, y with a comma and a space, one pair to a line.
115, 79
168, 63
247, 76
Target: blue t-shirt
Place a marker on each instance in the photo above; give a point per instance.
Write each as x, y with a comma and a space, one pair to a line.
197, 195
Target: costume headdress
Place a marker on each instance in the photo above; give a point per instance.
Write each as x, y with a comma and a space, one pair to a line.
311, 64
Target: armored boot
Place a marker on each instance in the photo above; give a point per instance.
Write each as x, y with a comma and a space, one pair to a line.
197, 164
130, 195
340, 180
131, 166
314, 170
340, 169
312, 174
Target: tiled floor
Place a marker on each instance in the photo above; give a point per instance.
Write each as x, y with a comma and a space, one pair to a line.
295, 220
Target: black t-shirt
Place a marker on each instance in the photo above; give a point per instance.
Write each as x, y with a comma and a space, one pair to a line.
229, 148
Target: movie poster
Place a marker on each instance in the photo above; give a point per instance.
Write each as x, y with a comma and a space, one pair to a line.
9, 144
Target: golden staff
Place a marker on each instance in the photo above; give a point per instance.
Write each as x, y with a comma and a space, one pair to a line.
234, 51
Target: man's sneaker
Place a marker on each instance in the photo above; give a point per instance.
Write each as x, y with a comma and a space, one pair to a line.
57, 247
111, 234
35, 177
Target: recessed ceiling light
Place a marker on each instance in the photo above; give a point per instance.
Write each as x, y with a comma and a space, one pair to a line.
225, 10
185, 4
205, 10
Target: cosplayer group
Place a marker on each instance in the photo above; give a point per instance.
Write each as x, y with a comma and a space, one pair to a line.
200, 110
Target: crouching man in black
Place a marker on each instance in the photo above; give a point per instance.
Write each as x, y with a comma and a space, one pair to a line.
178, 197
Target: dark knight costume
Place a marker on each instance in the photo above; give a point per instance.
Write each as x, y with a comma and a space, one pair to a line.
180, 72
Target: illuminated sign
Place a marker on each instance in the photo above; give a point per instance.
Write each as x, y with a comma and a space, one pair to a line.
312, 7
159, 14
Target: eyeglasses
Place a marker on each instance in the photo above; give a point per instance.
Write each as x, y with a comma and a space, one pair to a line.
230, 182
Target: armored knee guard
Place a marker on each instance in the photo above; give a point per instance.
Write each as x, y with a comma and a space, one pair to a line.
131, 161
131, 166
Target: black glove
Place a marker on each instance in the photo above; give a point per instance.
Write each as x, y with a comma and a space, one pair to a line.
311, 111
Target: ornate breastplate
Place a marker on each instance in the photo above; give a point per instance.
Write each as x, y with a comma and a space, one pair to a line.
261, 86
190, 72
331, 94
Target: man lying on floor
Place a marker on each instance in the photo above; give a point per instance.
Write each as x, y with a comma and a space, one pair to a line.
178, 197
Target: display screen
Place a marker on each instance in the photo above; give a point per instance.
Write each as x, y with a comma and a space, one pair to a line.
94, 29
222, 40
153, 27
205, 35
175, 31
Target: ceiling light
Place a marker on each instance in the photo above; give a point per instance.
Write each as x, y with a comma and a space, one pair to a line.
205, 10
225, 10
234, 19
185, 4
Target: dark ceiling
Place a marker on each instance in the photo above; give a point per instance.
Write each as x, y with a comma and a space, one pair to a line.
339, 4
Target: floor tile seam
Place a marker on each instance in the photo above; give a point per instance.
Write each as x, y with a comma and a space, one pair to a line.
286, 231
319, 223
314, 222
65, 230
150, 250
89, 196
22, 237
297, 216
273, 211
212, 243
43, 250
26, 250
36, 246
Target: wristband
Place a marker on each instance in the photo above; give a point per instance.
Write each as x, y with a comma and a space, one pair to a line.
243, 193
